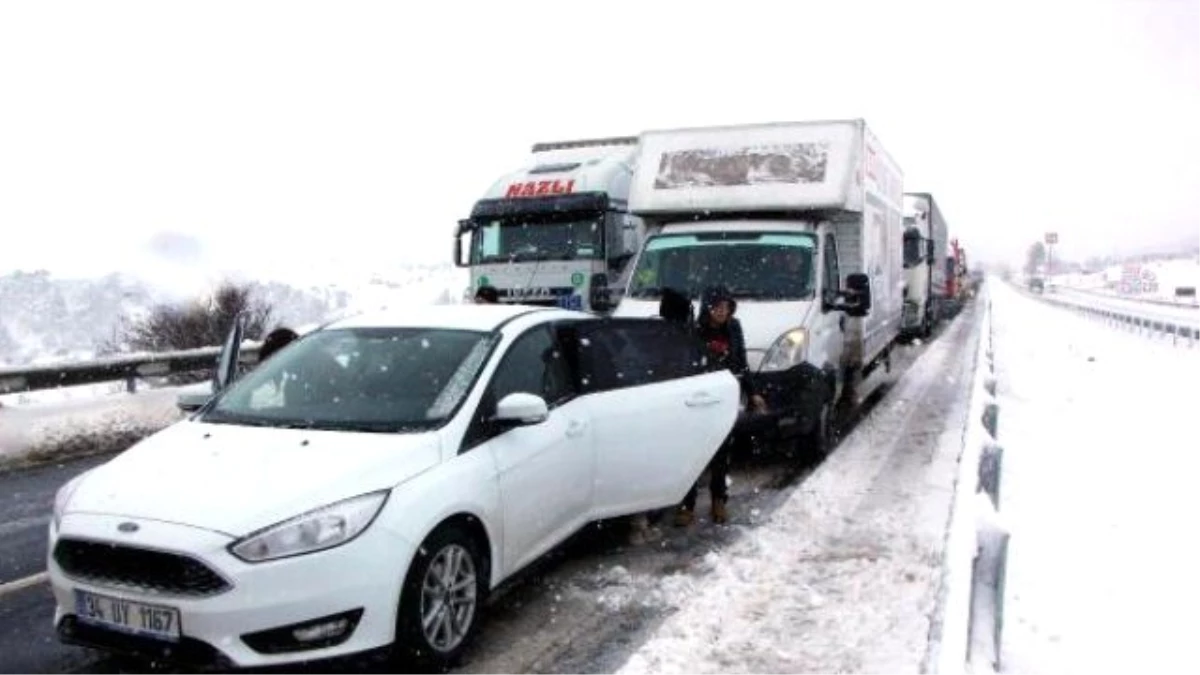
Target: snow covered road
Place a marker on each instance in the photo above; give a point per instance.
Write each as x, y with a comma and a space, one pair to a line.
835, 572
1100, 464
846, 575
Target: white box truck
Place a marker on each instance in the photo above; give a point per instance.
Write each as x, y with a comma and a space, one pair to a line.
556, 231
802, 223
926, 241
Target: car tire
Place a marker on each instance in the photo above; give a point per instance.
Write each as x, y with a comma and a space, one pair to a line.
450, 554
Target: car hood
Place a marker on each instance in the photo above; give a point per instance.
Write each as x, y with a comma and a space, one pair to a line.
235, 479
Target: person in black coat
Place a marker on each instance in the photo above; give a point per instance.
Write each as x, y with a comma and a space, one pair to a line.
721, 333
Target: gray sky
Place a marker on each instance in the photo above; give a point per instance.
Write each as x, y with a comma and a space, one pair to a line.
266, 136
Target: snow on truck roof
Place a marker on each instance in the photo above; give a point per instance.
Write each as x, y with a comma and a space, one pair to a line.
784, 166
600, 165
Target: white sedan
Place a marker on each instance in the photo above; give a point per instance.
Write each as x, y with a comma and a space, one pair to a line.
367, 486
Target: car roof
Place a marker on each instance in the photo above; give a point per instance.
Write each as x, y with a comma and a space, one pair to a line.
484, 318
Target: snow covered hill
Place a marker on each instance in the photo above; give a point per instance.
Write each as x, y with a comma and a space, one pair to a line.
52, 319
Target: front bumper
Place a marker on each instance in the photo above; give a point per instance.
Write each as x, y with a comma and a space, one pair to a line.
365, 574
794, 398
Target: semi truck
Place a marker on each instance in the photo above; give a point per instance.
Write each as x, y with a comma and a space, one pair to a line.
556, 231
925, 243
802, 223
957, 290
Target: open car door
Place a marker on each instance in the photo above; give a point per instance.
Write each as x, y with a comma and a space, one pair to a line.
227, 363
226, 373
658, 413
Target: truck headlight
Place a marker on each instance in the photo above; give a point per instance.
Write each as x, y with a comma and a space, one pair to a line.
788, 351
318, 530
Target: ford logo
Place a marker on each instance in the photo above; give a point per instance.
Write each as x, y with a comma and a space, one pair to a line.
128, 527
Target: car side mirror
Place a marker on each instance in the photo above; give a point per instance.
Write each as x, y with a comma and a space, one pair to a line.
521, 409
190, 403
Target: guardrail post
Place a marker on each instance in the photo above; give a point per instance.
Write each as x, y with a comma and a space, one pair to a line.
131, 384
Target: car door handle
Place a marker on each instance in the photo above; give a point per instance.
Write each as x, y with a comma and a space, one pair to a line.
701, 399
575, 428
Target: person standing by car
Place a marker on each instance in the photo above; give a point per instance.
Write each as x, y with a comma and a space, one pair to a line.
725, 342
276, 340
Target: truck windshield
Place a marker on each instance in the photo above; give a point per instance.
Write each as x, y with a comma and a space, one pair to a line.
538, 237
754, 265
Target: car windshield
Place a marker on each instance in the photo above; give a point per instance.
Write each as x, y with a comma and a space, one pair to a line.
359, 379
539, 237
754, 265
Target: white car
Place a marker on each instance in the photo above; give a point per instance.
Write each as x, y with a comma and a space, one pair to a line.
367, 485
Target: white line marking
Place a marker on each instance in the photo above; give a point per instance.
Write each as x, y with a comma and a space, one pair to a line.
14, 586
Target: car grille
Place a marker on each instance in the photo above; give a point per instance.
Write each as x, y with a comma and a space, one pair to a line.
138, 568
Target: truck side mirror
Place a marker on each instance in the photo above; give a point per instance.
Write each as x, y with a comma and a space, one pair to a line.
464, 226
600, 296
929, 257
858, 295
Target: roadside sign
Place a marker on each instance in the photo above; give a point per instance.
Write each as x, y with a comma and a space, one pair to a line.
1052, 238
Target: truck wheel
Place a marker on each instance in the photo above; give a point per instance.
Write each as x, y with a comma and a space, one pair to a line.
818, 442
442, 599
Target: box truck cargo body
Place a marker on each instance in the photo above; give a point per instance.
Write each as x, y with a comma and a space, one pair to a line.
557, 231
802, 223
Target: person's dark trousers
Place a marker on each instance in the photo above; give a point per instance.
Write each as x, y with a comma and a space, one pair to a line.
718, 469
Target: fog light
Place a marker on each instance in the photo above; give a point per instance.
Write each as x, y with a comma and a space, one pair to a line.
318, 633
321, 631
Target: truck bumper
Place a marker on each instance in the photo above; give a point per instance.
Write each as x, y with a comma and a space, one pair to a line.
794, 398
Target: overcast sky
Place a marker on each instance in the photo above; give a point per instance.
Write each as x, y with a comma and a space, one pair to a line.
258, 136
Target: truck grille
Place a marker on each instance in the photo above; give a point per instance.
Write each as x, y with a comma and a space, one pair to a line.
137, 568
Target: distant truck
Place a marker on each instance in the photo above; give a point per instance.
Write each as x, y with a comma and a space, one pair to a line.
958, 289
802, 222
925, 243
557, 231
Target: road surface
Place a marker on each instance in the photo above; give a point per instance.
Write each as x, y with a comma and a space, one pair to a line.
580, 609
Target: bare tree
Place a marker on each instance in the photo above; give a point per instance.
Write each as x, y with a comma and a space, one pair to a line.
200, 323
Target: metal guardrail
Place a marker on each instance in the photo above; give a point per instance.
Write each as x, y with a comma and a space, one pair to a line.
1137, 322
130, 368
1180, 304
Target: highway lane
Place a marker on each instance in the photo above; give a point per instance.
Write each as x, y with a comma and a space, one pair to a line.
570, 585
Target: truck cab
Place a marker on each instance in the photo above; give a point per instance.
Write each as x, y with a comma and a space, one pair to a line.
557, 231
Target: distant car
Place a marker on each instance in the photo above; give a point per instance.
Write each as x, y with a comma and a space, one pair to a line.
367, 486
1037, 285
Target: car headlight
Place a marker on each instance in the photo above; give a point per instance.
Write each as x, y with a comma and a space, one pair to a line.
789, 350
316, 530
63, 497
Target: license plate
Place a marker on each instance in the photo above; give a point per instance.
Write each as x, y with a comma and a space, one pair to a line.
127, 616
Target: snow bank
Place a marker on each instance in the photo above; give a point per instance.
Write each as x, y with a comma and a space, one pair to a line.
845, 575
35, 433
1099, 485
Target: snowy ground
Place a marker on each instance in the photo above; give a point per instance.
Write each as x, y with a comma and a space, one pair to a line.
1167, 275
1100, 440
846, 575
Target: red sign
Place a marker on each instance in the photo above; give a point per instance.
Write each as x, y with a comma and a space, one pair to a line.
539, 188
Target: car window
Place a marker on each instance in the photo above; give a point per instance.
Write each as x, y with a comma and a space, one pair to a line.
621, 353
534, 364
359, 379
